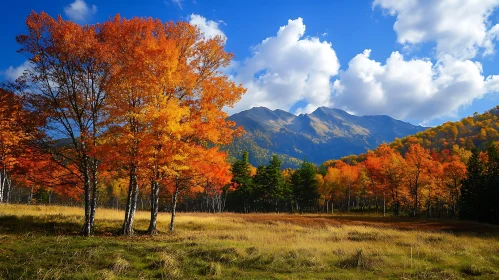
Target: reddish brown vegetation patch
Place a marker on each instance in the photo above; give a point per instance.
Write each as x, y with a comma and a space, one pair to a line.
321, 220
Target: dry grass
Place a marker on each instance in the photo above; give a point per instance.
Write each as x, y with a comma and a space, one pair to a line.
256, 246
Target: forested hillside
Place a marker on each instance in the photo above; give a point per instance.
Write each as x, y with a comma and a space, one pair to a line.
473, 132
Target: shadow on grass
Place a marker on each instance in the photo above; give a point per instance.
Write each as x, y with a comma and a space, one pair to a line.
35, 225
56, 226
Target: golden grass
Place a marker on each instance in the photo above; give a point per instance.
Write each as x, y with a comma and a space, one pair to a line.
276, 246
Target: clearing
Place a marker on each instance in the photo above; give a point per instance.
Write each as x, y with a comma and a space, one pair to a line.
41, 242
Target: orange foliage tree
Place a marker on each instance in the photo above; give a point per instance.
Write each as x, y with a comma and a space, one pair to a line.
166, 95
64, 81
18, 131
418, 162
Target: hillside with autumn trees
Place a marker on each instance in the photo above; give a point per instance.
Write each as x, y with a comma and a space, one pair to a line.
442, 171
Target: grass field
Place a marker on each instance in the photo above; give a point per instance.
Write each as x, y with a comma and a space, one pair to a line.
41, 242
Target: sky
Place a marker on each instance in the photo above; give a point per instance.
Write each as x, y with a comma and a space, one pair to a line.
421, 61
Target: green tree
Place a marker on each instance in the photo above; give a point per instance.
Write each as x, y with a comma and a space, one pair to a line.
241, 178
469, 201
270, 188
489, 195
305, 187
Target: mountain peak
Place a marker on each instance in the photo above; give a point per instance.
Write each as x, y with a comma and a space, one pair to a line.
326, 133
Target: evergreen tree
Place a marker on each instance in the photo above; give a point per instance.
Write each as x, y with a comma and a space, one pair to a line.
489, 195
270, 187
470, 198
241, 177
305, 187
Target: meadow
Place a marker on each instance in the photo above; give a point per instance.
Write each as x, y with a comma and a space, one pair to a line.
42, 242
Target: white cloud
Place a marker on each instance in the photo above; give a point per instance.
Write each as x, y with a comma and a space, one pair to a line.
178, 3
209, 28
12, 73
410, 89
288, 68
460, 28
79, 11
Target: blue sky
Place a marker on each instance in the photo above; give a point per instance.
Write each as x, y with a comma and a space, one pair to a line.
422, 61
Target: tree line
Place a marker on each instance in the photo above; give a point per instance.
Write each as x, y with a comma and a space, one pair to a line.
417, 183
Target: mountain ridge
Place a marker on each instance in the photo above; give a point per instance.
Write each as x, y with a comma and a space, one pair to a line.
324, 134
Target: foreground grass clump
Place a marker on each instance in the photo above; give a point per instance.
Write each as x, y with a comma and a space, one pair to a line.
41, 242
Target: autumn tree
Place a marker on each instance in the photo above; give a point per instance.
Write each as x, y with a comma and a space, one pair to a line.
13, 139
38, 170
65, 80
349, 175
373, 169
331, 186
392, 173
454, 173
418, 160
207, 167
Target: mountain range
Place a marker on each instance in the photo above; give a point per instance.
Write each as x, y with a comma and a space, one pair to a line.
321, 135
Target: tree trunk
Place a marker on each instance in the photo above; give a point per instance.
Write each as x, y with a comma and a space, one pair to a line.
154, 208
127, 205
429, 203
348, 206
3, 178
384, 205
9, 190
87, 229
127, 228
93, 205
415, 210
174, 207
30, 198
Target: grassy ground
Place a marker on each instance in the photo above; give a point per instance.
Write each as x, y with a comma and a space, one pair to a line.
40, 242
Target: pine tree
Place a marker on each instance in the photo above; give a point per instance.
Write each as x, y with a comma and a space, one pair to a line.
470, 191
241, 178
489, 195
269, 185
305, 187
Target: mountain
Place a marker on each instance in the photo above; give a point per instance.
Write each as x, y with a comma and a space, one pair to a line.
322, 135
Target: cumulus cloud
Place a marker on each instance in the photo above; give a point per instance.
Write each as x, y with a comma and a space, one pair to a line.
209, 28
423, 89
288, 68
460, 28
12, 73
79, 11
414, 89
